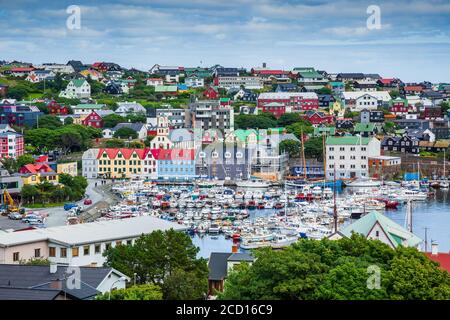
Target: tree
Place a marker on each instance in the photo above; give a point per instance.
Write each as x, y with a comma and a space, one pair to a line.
445, 106
338, 269
324, 90
24, 159
288, 118
36, 262
9, 164
148, 140
111, 120
29, 193
300, 127
389, 126
290, 146
261, 121
125, 133
163, 257
114, 143
394, 94
68, 121
17, 93
314, 148
49, 122
148, 291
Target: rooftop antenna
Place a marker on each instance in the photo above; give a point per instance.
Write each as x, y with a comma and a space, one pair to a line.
334, 201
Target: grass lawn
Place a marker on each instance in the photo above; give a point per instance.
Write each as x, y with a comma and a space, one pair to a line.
32, 96
44, 205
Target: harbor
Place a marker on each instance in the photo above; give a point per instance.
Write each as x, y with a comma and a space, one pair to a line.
254, 213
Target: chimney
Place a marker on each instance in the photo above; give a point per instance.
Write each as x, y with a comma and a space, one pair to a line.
56, 284
234, 248
53, 267
264, 65
434, 249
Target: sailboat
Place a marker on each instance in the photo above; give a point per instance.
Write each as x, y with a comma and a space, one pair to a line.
444, 184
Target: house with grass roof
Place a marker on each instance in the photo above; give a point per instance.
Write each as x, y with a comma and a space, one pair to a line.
76, 89
309, 76
366, 129
376, 226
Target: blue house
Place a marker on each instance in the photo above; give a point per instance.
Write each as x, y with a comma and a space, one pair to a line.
19, 115
175, 164
313, 170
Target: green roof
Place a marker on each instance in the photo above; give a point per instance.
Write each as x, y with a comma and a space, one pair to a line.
349, 140
78, 82
242, 134
166, 89
278, 130
396, 233
224, 99
398, 99
327, 130
335, 83
364, 127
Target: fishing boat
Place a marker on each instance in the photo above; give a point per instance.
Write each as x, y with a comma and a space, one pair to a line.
279, 241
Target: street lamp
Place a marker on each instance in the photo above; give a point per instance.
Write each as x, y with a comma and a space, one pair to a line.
121, 279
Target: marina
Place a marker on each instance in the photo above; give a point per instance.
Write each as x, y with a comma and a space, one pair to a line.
257, 214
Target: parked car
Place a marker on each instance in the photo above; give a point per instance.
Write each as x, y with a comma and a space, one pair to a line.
32, 218
87, 202
68, 206
15, 216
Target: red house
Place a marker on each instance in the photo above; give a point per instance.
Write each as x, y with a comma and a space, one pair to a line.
93, 120
431, 113
211, 93
318, 118
35, 168
57, 109
413, 89
400, 106
99, 66
281, 102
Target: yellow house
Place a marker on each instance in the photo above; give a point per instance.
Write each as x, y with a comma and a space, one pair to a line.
38, 177
69, 168
121, 162
337, 107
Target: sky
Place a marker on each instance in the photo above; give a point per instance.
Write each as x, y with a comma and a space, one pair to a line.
412, 43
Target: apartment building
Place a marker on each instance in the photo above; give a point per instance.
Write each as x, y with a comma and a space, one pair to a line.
210, 114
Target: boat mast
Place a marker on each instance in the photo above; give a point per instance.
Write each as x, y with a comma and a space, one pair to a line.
334, 205
303, 155
445, 177
409, 216
324, 160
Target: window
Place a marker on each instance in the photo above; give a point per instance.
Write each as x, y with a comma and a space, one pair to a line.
377, 233
129, 242
52, 252
63, 253
97, 248
108, 246
75, 252
86, 250
37, 253
15, 256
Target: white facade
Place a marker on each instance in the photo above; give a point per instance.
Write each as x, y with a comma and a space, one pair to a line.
90, 163
236, 82
126, 108
150, 166
59, 68
107, 133
359, 100
350, 160
195, 82
172, 78
161, 140
76, 91
155, 82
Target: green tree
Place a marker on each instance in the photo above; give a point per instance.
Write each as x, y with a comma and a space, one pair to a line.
36, 262
111, 120
300, 127
290, 146
314, 148
261, 121
125, 133
114, 143
389, 126
68, 121
24, 159
163, 257
288, 118
30, 194
49, 122
324, 90
394, 94
9, 164
148, 291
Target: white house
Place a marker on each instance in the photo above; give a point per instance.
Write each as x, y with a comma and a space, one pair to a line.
155, 82
87, 108
36, 76
194, 82
359, 100
349, 156
161, 140
126, 108
90, 163
139, 128
76, 89
150, 166
58, 68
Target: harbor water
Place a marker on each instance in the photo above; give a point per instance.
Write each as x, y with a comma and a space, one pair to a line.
433, 214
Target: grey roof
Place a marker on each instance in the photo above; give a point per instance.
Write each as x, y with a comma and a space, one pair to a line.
135, 126
218, 263
39, 278
8, 293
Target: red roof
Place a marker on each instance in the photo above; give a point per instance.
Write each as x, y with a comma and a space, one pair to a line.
126, 152
21, 69
442, 258
175, 154
386, 80
413, 88
270, 72
35, 168
42, 158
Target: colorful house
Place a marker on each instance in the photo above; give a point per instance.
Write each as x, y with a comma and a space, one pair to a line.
38, 173
175, 164
55, 108
120, 162
70, 168
93, 120
211, 93
315, 117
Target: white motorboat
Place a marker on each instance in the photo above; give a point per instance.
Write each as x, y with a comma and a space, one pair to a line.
363, 183
253, 183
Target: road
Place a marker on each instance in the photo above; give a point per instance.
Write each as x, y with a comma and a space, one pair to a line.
57, 216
